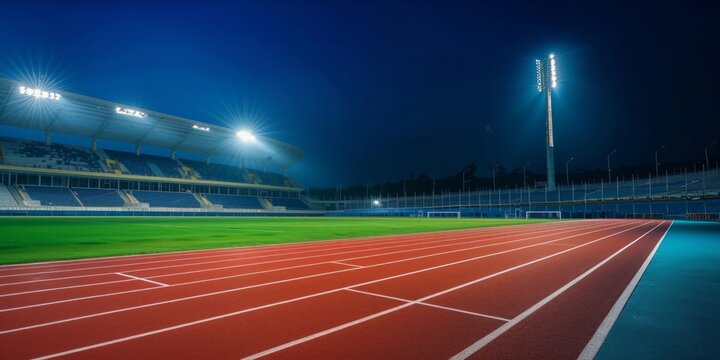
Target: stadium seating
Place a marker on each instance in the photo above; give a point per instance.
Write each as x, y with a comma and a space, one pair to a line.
167, 199
290, 204
99, 197
235, 201
267, 178
52, 196
38, 155
147, 165
218, 172
6, 199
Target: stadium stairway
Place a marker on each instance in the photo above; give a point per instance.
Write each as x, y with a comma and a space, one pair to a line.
6, 198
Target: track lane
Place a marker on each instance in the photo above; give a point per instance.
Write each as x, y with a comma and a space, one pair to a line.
555, 330
294, 289
333, 342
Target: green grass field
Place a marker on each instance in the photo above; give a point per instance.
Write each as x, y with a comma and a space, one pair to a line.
33, 239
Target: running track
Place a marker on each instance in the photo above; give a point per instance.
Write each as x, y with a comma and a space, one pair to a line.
527, 291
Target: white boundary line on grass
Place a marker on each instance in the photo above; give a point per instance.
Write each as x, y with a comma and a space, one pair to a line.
472, 349
318, 275
316, 335
308, 265
44, 264
396, 242
593, 346
472, 238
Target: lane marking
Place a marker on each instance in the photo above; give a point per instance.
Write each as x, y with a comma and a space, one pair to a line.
593, 346
472, 349
429, 305
142, 279
382, 313
244, 250
346, 264
222, 316
45, 264
417, 241
602, 228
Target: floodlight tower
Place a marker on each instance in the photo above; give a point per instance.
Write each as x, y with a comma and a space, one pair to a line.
546, 82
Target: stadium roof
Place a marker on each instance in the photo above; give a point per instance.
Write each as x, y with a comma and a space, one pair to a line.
98, 119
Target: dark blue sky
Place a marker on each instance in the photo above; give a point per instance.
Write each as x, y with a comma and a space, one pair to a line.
376, 91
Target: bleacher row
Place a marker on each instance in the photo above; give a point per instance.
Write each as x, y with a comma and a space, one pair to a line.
35, 154
81, 197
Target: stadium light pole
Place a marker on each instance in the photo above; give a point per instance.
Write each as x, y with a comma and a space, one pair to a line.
567, 172
546, 82
608, 162
524, 177
707, 159
463, 178
657, 164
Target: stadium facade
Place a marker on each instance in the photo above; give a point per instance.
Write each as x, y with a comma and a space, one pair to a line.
47, 178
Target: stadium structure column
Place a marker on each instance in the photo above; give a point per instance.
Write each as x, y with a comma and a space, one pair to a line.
546, 82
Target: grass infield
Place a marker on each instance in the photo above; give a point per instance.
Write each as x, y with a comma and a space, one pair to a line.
33, 239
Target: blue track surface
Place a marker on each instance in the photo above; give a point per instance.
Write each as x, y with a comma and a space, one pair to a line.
674, 312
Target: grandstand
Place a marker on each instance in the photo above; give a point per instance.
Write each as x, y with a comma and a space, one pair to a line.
43, 176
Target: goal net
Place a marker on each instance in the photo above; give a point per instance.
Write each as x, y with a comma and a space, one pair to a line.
536, 214
443, 214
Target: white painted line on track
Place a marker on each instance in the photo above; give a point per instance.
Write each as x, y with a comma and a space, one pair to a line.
142, 279
472, 349
222, 316
602, 227
429, 305
346, 264
365, 244
593, 346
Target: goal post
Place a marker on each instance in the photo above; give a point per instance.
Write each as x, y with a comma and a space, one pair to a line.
443, 214
538, 214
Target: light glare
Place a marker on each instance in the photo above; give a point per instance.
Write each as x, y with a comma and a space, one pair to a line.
246, 135
38, 93
130, 112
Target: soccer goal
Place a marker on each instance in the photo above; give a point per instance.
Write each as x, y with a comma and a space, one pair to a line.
443, 214
537, 214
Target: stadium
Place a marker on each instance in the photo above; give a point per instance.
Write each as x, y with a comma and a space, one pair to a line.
129, 232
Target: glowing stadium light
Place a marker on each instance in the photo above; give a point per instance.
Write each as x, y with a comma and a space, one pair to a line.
39, 93
130, 112
376, 202
547, 81
201, 128
246, 135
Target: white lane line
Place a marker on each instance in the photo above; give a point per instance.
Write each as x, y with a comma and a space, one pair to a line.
241, 249
346, 264
218, 317
429, 305
602, 228
306, 257
403, 243
593, 346
142, 279
472, 349
374, 316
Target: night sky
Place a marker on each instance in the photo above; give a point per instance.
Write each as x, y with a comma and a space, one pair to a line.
376, 91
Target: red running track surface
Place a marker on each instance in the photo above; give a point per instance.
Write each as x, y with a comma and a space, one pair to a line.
528, 291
